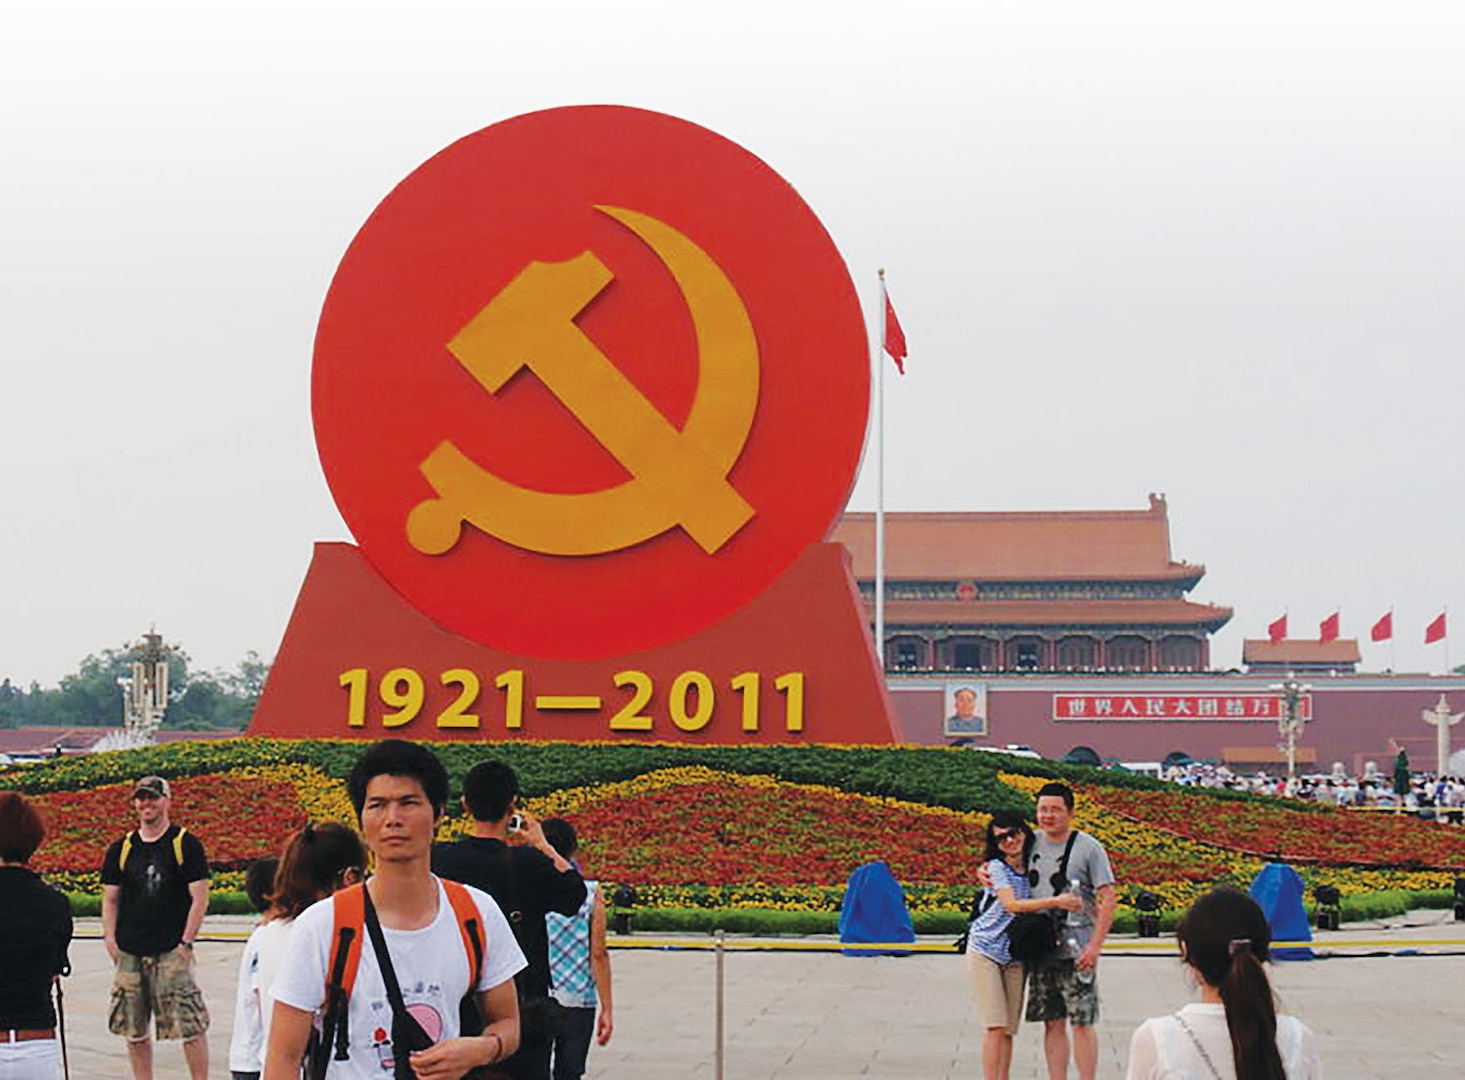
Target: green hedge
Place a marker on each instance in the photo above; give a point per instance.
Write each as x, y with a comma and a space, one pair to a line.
938, 776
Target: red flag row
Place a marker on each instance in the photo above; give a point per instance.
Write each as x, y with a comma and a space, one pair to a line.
1383, 630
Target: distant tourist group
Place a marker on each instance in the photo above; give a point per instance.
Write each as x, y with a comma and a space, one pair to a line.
1047, 904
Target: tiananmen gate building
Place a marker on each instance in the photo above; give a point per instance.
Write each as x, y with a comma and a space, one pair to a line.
1066, 629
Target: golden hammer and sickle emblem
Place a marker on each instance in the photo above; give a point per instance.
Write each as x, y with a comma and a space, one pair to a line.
677, 477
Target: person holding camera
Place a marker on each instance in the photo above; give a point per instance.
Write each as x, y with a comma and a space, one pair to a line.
507, 856
997, 978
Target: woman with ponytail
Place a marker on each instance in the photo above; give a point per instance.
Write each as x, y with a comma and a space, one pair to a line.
1233, 1032
317, 860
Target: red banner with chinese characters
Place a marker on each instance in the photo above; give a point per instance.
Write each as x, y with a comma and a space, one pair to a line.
1204, 707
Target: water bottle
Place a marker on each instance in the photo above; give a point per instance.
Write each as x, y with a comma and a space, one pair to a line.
1083, 977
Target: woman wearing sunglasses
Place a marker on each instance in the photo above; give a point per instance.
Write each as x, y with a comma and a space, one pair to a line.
996, 977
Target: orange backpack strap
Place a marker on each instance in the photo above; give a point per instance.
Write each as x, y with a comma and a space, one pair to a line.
470, 925
348, 912
349, 909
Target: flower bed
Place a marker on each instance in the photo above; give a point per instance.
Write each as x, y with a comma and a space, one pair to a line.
239, 816
727, 827
699, 826
1296, 832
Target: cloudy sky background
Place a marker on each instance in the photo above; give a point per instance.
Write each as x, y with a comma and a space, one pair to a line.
1212, 250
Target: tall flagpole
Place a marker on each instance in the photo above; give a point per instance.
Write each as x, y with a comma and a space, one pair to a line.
878, 348
1393, 661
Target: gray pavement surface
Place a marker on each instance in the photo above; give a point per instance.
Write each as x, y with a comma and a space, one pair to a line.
818, 1015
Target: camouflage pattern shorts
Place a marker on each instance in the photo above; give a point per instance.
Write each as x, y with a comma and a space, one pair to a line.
161, 988
1056, 993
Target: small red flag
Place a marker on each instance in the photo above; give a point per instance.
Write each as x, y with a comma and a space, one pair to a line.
894, 337
1435, 631
1277, 630
1383, 630
1328, 629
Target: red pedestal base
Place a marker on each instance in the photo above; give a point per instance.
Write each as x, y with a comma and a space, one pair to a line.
796, 665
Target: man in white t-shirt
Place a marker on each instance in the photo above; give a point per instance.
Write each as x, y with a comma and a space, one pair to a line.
399, 790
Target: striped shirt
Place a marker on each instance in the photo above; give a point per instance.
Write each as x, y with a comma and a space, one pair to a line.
988, 934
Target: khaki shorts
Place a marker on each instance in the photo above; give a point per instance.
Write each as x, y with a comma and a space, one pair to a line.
1056, 993
160, 988
999, 992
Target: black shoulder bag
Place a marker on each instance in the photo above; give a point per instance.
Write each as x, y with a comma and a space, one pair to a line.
540, 1018
1033, 936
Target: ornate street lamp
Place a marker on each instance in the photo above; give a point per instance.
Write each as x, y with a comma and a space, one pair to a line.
1290, 725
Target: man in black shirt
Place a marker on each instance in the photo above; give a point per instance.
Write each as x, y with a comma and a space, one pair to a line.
507, 856
155, 892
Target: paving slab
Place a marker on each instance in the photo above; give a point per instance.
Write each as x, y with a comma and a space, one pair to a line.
820, 1015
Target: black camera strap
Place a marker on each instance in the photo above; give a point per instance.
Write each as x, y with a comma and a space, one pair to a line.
404, 1023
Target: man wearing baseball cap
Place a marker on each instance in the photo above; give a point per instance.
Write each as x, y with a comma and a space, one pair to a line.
155, 891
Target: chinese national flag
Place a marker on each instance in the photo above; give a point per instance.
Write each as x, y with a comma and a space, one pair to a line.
1277, 630
1328, 629
894, 337
1435, 631
1383, 630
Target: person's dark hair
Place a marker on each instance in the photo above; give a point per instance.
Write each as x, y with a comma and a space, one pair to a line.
1006, 820
561, 836
1225, 938
489, 789
21, 827
1062, 791
398, 757
313, 865
259, 881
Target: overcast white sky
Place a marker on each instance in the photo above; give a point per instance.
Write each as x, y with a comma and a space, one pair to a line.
1209, 249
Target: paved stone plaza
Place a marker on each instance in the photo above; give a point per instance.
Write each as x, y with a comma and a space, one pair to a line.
815, 1015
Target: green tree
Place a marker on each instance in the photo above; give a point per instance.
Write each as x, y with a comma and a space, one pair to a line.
92, 697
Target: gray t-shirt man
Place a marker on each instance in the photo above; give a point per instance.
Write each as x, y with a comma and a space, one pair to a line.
1089, 866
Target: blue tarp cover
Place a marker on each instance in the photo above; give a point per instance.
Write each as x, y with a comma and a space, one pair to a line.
874, 910
1278, 892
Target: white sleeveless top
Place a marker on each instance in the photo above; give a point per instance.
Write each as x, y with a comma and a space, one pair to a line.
1161, 1050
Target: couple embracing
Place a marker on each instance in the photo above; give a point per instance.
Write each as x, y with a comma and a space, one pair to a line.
1055, 888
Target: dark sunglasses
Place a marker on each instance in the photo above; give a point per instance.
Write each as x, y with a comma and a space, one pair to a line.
1005, 834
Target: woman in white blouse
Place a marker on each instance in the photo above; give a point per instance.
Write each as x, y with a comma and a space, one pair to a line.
1233, 1032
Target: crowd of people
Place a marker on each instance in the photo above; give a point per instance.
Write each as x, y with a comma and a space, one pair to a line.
484, 957
1371, 789
1046, 906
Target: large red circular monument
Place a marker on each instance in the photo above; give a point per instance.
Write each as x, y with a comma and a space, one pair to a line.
588, 381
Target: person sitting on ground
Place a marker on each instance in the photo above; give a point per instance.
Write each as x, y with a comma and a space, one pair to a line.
35, 931
996, 977
1233, 1032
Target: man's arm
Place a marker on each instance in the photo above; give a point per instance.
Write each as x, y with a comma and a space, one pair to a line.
533, 834
110, 894
289, 1036
1106, 899
563, 891
450, 1059
600, 965
198, 896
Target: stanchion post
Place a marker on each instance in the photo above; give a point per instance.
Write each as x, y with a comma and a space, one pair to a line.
717, 1050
